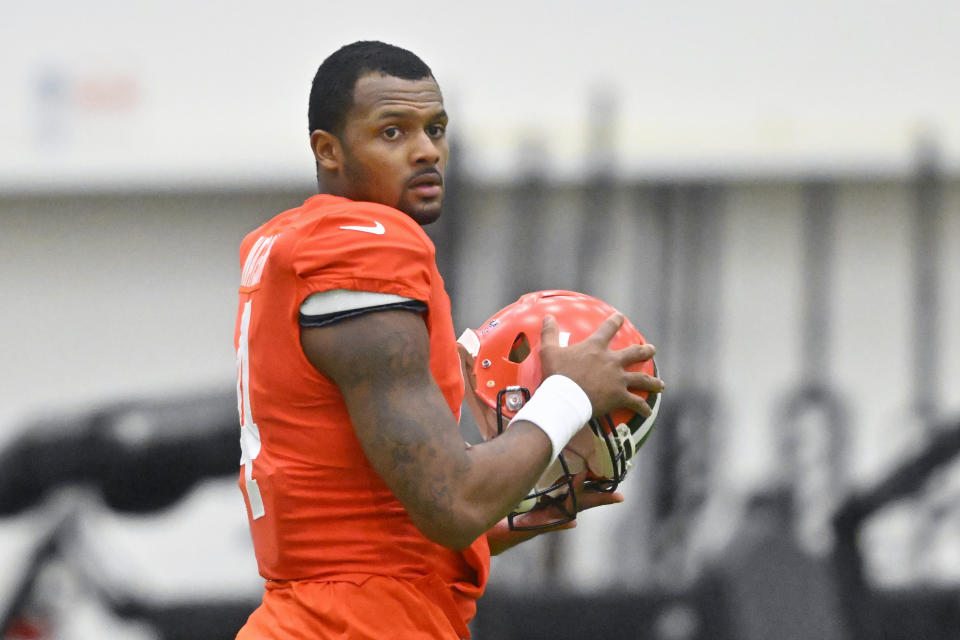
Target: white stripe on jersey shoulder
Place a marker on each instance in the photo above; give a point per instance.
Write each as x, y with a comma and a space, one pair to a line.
337, 300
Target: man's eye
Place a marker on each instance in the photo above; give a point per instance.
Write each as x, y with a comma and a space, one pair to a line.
436, 130
391, 133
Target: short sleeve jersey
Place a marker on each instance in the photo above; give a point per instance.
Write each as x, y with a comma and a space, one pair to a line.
317, 508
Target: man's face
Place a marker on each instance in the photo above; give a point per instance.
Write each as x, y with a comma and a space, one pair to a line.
395, 145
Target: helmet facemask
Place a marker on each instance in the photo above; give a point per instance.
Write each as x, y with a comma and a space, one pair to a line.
558, 492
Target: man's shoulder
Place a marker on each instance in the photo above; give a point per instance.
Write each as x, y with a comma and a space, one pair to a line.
333, 213
328, 229
323, 214
282, 221
335, 225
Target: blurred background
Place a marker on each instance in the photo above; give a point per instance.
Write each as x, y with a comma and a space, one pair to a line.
770, 191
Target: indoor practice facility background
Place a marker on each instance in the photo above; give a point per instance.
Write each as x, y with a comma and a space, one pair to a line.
770, 192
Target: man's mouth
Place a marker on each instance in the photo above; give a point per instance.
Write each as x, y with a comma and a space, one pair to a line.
427, 185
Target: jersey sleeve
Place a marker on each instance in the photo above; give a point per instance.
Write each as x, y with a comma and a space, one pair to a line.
365, 248
323, 308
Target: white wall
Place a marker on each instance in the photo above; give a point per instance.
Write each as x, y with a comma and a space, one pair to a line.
122, 295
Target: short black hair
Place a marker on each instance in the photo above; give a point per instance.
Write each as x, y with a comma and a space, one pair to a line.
331, 95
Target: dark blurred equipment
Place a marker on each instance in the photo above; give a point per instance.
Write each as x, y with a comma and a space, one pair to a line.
875, 614
141, 456
530, 210
600, 188
692, 615
811, 424
925, 249
771, 587
684, 446
447, 232
211, 620
869, 614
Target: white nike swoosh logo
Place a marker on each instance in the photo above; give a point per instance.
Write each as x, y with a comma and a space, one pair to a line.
376, 229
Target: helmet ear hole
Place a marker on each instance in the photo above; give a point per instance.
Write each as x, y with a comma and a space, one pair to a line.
520, 349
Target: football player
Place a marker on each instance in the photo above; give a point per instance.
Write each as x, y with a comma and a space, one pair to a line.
370, 516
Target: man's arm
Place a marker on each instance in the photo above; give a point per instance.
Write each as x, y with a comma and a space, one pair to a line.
380, 362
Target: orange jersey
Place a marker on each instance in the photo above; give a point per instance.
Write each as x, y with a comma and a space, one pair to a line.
318, 510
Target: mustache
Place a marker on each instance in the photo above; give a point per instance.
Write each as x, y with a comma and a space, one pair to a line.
431, 172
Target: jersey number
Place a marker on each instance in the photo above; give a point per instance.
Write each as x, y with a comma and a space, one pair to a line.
249, 433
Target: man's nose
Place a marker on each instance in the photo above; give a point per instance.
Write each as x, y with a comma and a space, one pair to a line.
426, 150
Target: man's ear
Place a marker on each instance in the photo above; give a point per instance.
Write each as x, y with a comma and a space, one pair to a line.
327, 150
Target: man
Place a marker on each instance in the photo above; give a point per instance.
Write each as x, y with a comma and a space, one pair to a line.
368, 512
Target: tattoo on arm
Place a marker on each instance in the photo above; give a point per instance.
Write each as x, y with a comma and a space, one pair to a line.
400, 415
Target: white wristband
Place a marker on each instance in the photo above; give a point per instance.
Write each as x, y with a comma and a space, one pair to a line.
559, 407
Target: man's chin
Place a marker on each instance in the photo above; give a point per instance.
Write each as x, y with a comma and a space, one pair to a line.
423, 214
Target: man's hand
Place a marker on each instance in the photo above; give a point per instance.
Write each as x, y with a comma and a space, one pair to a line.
501, 538
600, 371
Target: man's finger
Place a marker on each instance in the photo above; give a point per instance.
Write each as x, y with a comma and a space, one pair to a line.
549, 333
591, 499
637, 404
636, 353
608, 328
639, 381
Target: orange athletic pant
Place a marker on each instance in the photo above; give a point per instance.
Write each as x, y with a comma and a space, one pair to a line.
377, 608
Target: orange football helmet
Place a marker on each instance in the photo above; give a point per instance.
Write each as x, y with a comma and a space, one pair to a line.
501, 367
